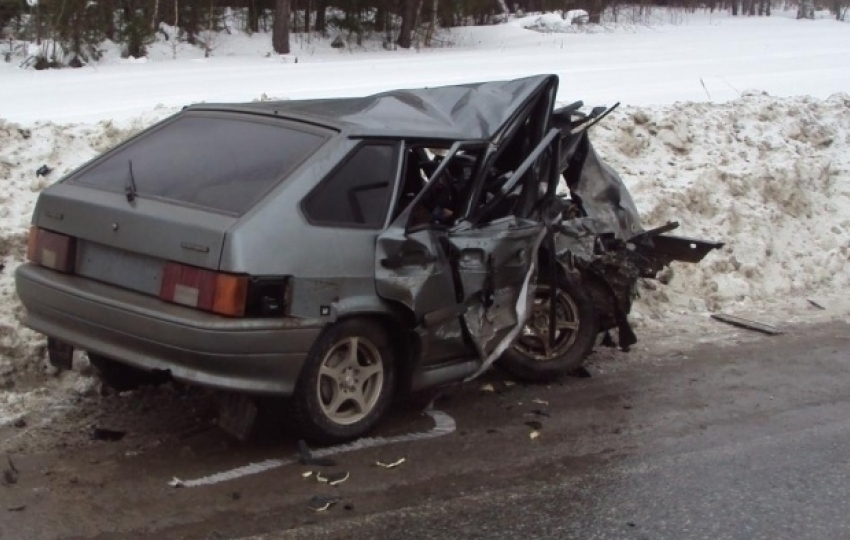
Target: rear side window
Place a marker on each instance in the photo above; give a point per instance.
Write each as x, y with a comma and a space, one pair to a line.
219, 162
357, 193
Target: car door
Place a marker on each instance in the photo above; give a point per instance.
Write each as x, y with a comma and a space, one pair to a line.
468, 286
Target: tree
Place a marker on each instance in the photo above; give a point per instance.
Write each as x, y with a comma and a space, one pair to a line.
408, 13
280, 32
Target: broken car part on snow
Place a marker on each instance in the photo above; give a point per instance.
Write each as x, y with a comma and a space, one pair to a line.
459, 225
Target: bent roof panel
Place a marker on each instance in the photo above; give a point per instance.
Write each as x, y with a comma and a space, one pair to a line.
463, 112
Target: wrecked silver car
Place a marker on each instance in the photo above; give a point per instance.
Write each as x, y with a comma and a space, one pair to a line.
337, 252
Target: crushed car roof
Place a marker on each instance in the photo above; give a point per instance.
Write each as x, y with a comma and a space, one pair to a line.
475, 111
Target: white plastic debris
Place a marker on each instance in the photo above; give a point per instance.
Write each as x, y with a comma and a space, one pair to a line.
391, 464
176, 483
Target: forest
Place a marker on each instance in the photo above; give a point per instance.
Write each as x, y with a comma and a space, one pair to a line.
69, 32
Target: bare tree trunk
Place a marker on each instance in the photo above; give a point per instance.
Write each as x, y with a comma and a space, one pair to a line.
155, 15
280, 32
110, 21
306, 16
734, 8
253, 17
407, 14
320, 16
596, 9
432, 24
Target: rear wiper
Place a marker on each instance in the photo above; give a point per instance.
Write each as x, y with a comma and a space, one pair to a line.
130, 186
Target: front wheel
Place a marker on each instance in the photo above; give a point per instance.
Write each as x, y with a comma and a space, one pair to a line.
534, 356
346, 384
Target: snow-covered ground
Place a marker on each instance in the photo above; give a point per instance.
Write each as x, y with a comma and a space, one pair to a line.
767, 173
704, 58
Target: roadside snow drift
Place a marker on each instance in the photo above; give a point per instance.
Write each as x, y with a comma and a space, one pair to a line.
770, 177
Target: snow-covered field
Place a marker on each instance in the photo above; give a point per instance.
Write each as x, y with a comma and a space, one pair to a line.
737, 128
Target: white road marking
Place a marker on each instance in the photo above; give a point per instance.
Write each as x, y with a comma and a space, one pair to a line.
443, 425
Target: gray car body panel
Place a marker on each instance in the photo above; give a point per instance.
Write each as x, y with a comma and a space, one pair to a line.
250, 355
477, 111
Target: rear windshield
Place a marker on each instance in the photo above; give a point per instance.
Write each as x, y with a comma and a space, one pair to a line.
222, 162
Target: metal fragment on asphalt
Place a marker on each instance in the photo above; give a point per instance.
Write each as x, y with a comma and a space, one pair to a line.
748, 324
320, 503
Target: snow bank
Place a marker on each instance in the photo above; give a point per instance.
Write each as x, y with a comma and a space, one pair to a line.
769, 176
23, 150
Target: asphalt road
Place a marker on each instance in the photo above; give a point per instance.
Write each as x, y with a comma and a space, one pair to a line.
724, 440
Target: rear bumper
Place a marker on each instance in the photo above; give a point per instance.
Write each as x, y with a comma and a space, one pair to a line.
247, 355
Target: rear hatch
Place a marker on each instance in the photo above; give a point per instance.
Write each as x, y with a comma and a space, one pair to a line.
166, 198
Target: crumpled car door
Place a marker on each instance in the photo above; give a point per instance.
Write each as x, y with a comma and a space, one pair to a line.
483, 276
496, 268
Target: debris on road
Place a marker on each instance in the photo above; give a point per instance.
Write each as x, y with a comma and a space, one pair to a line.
816, 304
487, 388
103, 434
320, 503
10, 475
332, 479
534, 434
16, 508
748, 324
176, 483
305, 457
534, 424
390, 464
237, 415
44, 170
20, 423
306, 474
540, 401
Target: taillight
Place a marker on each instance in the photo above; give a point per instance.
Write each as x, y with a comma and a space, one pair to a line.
225, 294
52, 250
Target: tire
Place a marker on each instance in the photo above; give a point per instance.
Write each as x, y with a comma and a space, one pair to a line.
340, 396
122, 377
528, 358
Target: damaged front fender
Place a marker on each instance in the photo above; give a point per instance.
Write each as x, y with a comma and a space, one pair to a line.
600, 236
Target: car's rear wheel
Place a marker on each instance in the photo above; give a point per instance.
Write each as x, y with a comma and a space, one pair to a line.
346, 384
534, 356
122, 377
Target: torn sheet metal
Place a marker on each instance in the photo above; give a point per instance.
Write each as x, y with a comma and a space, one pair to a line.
601, 192
522, 307
748, 324
477, 111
